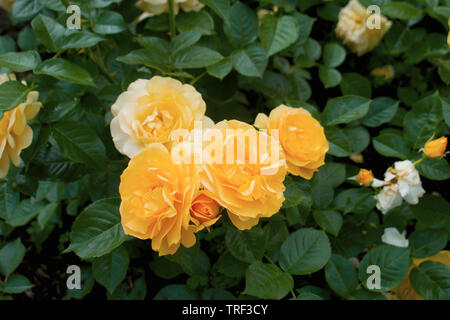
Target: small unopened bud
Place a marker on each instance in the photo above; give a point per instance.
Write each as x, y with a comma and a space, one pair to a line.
435, 148
365, 177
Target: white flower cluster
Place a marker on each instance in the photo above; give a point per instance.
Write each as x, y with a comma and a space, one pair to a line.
401, 182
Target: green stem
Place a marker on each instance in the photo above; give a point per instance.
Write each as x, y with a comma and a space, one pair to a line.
420, 160
172, 19
198, 78
293, 294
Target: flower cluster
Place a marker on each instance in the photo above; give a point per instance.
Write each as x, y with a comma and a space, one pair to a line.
15, 133
402, 180
168, 195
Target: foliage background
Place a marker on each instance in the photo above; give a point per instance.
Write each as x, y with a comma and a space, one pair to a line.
241, 67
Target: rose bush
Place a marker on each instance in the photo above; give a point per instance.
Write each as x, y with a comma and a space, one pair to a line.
224, 149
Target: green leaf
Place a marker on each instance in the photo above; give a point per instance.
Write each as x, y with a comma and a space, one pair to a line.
247, 246
277, 34
109, 22
382, 110
355, 84
432, 211
243, 25
221, 7
393, 262
434, 169
305, 23
355, 200
401, 10
25, 9
9, 200
331, 173
46, 213
333, 55
97, 230
307, 54
431, 280
184, 40
221, 69
64, 70
427, 243
149, 57
16, 284
294, 195
110, 269
345, 109
217, 294
358, 138
341, 276
322, 194
78, 142
81, 39
329, 220
7, 44
330, 77
338, 142
12, 93
196, 57
251, 61
20, 61
11, 255
165, 268
391, 145
24, 213
230, 266
49, 32
267, 281
305, 251
175, 292
201, 22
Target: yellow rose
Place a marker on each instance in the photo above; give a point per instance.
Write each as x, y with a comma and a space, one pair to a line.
155, 7
156, 197
301, 136
365, 177
405, 290
387, 72
204, 211
358, 28
150, 110
448, 37
247, 178
7, 4
435, 148
15, 134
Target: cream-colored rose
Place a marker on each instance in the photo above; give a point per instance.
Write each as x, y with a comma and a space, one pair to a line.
150, 110
358, 28
393, 237
7, 4
15, 133
155, 7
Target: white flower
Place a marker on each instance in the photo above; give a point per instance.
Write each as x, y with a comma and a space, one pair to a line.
388, 198
408, 180
393, 237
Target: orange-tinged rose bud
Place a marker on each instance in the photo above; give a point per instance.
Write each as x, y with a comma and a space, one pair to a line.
387, 72
204, 211
436, 148
365, 177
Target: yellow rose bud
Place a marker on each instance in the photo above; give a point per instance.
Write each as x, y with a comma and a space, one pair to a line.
448, 37
436, 148
151, 110
7, 4
365, 177
15, 133
156, 198
360, 30
387, 72
204, 211
246, 179
301, 136
405, 290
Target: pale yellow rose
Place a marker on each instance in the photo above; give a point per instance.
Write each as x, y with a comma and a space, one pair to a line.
7, 4
355, 28
204, 211
15, 133
156, 198
156, 7
248, 182
301, 136
405, 290
150, 110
